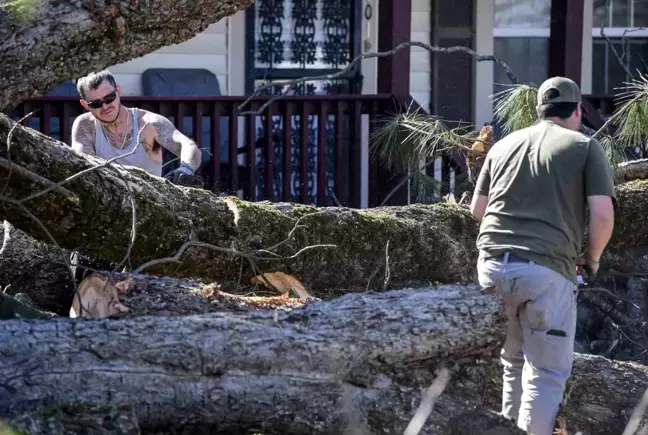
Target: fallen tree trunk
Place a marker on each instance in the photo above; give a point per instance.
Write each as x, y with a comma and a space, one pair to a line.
327, 368
302, 371
75, 38
632, 170
600, 395
92, 214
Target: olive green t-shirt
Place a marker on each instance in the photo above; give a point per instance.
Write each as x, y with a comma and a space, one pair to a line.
537, 181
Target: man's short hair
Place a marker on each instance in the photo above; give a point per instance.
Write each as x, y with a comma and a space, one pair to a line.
93, 81
556, 110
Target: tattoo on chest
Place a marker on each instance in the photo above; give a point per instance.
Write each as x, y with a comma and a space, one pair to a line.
119, 139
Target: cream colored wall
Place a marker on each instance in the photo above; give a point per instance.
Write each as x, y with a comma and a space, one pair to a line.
206, 50
210, 49
420, 69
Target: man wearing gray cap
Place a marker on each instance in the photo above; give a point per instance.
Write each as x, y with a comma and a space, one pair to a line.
531, 197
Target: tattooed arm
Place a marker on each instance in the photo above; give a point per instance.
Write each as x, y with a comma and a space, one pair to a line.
171, 139
83, 135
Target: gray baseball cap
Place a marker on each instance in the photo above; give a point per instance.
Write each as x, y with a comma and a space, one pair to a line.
558, 90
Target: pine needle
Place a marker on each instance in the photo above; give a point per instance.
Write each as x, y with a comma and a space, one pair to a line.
632, 115
515, 108
405, 142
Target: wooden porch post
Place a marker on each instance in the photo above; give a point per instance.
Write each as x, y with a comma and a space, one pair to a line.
394, 28
566, 39
566, 48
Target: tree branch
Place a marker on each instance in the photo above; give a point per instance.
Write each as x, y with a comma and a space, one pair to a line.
74, 38
620, 58
431, 48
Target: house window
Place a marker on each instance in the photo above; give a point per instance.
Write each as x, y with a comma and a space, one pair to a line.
296, 38
624, 26
521, 33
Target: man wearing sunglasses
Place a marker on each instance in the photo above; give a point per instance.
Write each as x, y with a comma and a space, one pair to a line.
531, 198
109, 129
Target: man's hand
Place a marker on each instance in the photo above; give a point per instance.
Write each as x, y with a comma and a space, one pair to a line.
168, 137
587, 268
184, 175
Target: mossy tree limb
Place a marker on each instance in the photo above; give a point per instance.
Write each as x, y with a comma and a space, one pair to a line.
433, 243
73, 38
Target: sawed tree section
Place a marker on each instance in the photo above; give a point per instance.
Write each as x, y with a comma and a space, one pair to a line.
73, 38
92, 214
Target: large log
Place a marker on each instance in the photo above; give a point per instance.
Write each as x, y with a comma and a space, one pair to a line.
306, 371
92, 214
357, 362
74, 38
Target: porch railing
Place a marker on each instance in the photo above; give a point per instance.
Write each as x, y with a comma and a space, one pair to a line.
320, 158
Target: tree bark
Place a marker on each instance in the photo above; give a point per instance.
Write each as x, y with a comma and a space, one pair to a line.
301, 371
77, 419
632, 170
149, 295
75, 38
355, 363
35, 268
92, 214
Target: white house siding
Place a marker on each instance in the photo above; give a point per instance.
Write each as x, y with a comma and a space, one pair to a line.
206, 50
420, 70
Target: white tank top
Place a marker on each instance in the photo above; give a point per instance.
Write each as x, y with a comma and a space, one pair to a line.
139, 158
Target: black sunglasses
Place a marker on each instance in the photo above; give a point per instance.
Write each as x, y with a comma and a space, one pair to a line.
95, 104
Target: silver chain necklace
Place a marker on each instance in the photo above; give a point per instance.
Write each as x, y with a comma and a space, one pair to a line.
103, 130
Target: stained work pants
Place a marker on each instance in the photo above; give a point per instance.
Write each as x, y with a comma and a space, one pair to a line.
537, 355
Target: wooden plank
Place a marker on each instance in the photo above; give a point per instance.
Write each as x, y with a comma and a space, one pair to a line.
322, 147
287, 152
269, 155
303, 153
215, 147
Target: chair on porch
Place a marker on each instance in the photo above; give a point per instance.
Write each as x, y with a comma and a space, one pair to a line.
189, 82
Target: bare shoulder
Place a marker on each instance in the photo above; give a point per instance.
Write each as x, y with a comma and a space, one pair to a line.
83, 134
146, 116
85, 121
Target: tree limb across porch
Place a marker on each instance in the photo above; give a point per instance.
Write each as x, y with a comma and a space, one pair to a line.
44, 43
